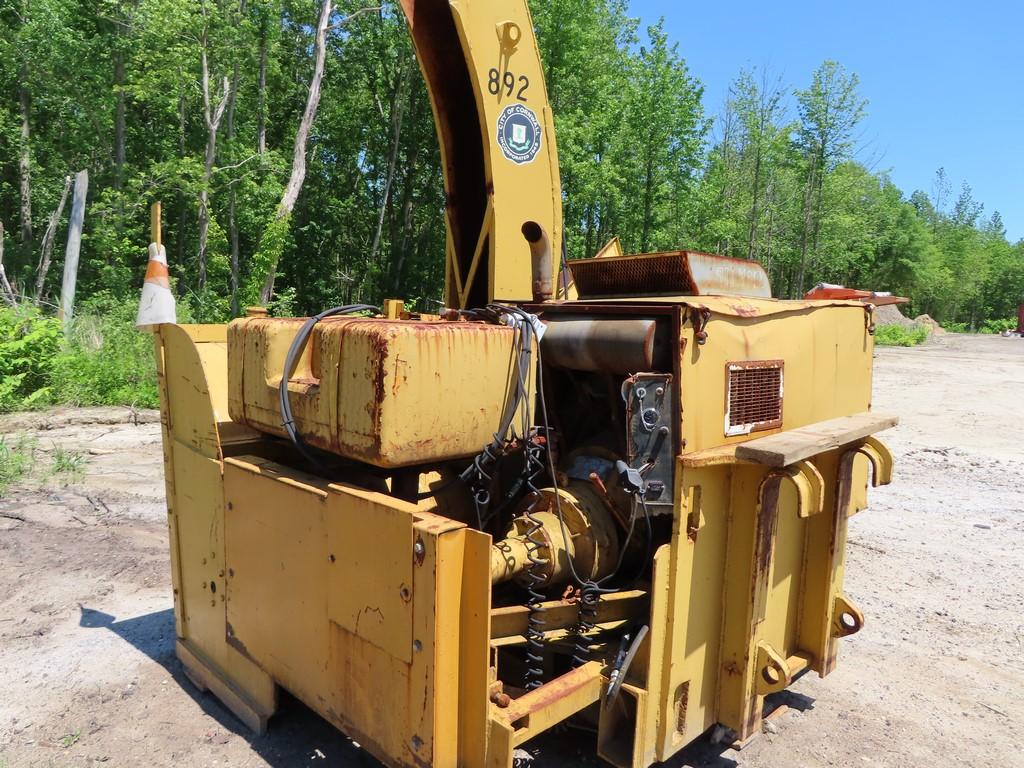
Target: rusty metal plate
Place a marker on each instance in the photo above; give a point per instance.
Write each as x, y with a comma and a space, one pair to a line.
676, 273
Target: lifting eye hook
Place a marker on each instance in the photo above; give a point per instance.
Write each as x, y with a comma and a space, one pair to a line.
509, 34
699, 318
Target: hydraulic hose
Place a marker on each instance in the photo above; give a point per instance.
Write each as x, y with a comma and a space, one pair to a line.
292, 361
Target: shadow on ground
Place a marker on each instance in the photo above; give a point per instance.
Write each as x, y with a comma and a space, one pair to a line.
298, 736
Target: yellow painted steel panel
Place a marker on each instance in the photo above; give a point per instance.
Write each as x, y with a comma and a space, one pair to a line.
291, 556
277, 575
826, 353
188, 408
195, 515
474, 650
374, 545
485, 30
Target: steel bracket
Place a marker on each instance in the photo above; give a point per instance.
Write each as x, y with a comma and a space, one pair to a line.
881, 461
809, 485
847, 618
773, 673
810, 488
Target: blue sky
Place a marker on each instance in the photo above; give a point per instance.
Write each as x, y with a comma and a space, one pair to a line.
944, 80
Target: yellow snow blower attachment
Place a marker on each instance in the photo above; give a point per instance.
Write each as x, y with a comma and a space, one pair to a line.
614, 490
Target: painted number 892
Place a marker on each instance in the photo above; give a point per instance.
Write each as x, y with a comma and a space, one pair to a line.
507, 82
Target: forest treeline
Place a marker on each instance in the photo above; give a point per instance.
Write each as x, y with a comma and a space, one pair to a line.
197, 103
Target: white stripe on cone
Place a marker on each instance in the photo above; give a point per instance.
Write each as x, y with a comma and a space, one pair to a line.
157, 304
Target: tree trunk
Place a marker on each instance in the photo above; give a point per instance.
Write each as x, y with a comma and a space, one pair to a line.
807, 225
648, 202
397, 112
213, 116
401, 254
119, 119
182, 207
25, 161
819, 199
754, 209
232, 203
298, 174
261, 91
75, 224
48, 238
5, 287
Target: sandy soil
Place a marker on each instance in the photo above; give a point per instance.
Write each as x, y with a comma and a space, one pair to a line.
936, 678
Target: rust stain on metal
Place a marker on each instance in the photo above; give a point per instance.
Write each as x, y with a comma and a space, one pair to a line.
766, 522
549, 693
743, 310
501, 699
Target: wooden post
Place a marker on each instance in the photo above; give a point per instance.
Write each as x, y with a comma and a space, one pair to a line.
75, 223
48, 238
155, 229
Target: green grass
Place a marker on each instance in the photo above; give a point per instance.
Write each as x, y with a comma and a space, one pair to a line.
71, 464
898, 336
18, 463
71, 739
17, 456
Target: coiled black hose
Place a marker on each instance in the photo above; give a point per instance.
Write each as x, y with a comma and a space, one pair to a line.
290, 363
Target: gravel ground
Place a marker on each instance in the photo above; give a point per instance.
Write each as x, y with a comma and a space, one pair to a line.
936, 678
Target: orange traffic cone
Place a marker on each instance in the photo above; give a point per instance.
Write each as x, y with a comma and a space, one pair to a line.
157, 303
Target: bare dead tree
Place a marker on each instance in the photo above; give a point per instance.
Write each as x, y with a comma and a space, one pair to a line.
261, 90
232, 187
9, 296
212, 115
298, 174
397, 115
48, 238
25, 160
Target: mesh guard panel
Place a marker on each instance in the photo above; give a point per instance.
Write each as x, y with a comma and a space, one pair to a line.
755, 397
666, 274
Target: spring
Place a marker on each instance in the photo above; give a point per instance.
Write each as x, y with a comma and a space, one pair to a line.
478, 477
589, 599
536, 575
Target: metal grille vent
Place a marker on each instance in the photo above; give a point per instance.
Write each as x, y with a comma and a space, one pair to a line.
754, 400
663, 273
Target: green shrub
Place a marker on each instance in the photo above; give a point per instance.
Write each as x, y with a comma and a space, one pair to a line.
106, 360
957, 327
28, 343
898, 336
998, 326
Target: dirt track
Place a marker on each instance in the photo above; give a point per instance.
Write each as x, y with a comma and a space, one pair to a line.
88, 675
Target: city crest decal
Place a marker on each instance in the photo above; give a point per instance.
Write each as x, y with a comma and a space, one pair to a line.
519, 134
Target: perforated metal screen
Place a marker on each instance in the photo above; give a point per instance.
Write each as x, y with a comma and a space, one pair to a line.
755, 396
665, 273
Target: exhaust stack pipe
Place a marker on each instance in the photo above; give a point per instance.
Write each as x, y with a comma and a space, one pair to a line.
540, 255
